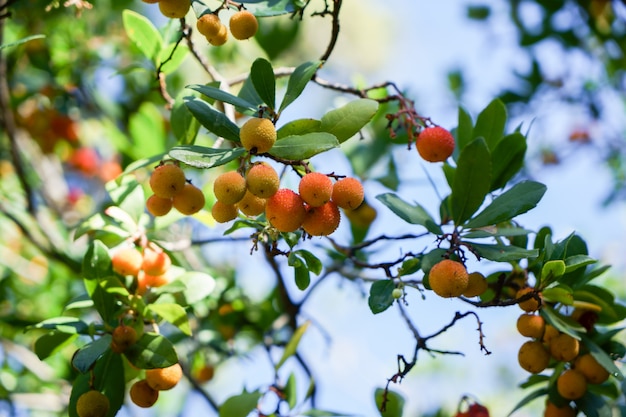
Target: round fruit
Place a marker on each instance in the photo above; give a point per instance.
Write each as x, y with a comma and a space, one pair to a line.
127, 261
158, 206
205, 374
243, 25
476, 285
530, 305
92, 404
209, 24
142, 394
531, 325
564, 347
251, 205
362, 216
435, 144
167, 180
219, 38
533, 357
229, 187
448, 278
571, 384
396, 293
189, 200
162, 379
258, 135
123, 337
174, 9
348, 193
155, 262
285, 210
223, 213
262, 180
554, 411
323, 220
315, 189
588, 366
549, 334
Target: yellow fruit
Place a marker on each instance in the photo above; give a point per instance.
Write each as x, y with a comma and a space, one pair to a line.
362, 216
262, 180
323, 220
564, 347
531, 325
158, 206
448, 278
348, 193
189, 200
243, 25
571, 384
435, 144
315, 189
223, 213
143, 395
167, 180
92, 404
209, 24
127, 261
588, 366
476, 285
155, 262
219, 38
229, 187
533, 357
549, 334
531, 304
174, 9
162, 379
123, 337
258, 135
285, 210
251, 205
205, 374
554, 411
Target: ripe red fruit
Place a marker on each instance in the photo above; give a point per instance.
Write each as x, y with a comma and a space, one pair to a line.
323, 220
285, 210
435, 144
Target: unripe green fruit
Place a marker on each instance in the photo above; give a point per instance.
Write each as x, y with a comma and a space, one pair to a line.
167, 180
315, 189
396, 293
229, 187
262, 180
258, 135
285, 210
92, 404
189, 200
243, 25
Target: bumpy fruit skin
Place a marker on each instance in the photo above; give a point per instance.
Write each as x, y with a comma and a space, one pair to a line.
435, 144
315, 189
285, 210
251, 205
258, 135
529, 305
143, 395
223, 213
127, 261
209, 24
571, 384
552, 410
189, 200
243, 25
229, 187
476, 285
162, 379
533, 357
348, 193
92, 404
448, 278
219, 38
323, 220
174, 9
549, 334
123, 337
158, 206
564, 347
155, 262
167, 180
531, 325
588, 366
262, 180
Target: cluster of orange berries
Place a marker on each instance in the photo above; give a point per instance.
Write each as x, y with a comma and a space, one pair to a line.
145, 392
435, 144
449, 278
148, 267
172, 190
243, 25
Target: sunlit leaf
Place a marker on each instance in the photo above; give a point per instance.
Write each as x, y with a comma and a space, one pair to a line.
21, 41
205, 157
172, 56
172, 313
292, 346
50, 343
214, 121
184, 126
389, 403
298, 127
264, 81
152, 351
348, 120
142, 33
240, 405
305, 146
298, 81
221, 95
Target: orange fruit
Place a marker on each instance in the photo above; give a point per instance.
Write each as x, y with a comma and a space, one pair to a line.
162, 379
155, 262
435, 144
189, 200
531, 304
552, 410
448, 278
251, 205
223, 213
167, 180
571, 384
243, 25
323, 220
142, 394
564, 347
348, 193
285, 210
258, 135
262, 180
315, 189
476, 285
229, 187
533, 357
531, 325
127, 261
158, 206
123, 337
588, 366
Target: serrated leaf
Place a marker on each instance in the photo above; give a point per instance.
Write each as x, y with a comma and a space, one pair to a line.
172, 313
296, 148
152, 351
471, 180
413, 214
502, 253
264, 81
85, 357
381, 298
292, 346
221, 95
142, 33
521, 198
205, 157
394, 404
240, 405
507, 159
298, 127
298, 81
490, 123
348, 120
214, 121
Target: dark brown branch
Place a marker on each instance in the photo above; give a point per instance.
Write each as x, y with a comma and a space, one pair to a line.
291, 309
335, 31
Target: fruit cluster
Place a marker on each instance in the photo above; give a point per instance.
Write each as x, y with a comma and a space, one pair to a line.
145, 392
243, 25
448, 278
148, 267
171, 189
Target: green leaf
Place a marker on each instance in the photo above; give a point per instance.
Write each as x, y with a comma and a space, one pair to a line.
97, 262
298, 127
521, 198
198, 286
172, 313
142, 33
298, 81
301, 272
413, 214
490, 123
152, 351
296, 148
465, 130
572, 263
214, 121
592, 405
562, 324
265, 8
529, 398
21, 41
184, 126
101, 291
240, 405
381, 298
85, 357
603, 359
264, 81
552, 270
63, 324
394, 404
292, 346
507, 159
348, 120
471, 181
130, 197
291, 391
221, 95
312, 262
172, 56
502, 253
48, 344
559, 294
205, 157
248, 93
